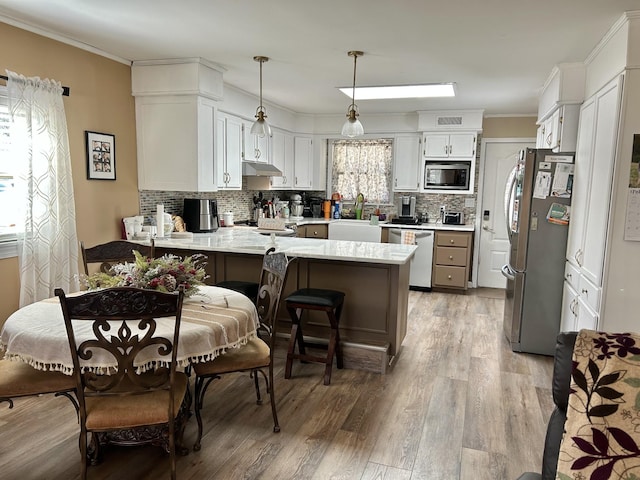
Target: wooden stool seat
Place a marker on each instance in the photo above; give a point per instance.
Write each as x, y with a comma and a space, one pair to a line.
329, 301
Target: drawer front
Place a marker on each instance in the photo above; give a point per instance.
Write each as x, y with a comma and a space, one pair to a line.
452, 239
454, 277
316, 231
572, 275
451, 256
589, 293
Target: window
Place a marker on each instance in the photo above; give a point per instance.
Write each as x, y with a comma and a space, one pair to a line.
362, 166
7, 184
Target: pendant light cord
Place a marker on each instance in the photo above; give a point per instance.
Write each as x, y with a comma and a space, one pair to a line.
261, 62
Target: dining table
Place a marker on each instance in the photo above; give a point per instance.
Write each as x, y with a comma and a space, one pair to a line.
214, 320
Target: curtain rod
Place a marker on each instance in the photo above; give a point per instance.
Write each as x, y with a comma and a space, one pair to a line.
65, 90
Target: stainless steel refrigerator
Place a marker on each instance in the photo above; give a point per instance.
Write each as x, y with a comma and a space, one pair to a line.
537, 211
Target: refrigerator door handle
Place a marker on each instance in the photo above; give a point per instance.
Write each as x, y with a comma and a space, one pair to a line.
511, 180
508, 272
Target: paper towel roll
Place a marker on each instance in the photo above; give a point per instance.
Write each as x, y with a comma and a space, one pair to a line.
160, 220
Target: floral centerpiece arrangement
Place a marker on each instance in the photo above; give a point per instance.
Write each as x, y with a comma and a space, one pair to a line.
165, 274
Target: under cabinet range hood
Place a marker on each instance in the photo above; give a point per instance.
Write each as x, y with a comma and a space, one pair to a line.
257, 169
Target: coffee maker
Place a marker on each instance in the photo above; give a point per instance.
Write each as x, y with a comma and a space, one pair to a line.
406, 206
200, 215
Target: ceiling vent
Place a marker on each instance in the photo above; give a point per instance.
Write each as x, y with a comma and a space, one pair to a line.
448, 121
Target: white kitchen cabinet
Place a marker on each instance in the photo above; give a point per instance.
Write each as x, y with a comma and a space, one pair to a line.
559, 131
594, 170
282, 157
406, 163
449, 145
591, 200
255, 148
569, 308
229, 152
576, 313
175, 143
303, 162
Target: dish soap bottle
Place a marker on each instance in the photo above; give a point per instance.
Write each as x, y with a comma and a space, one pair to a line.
359, 205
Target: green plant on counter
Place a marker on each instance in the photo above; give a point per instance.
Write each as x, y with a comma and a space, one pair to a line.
165, 274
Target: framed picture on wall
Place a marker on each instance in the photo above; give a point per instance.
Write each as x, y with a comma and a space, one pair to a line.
101, 155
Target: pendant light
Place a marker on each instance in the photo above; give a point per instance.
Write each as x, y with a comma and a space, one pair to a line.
260, 126
352, 127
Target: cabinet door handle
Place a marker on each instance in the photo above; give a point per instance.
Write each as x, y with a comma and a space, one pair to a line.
257, 153
585, 291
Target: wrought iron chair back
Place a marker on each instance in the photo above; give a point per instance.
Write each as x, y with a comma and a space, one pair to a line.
272, 278
257, 355
123, 321
110, 253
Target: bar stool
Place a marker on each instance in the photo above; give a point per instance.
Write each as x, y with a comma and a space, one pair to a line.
329, 301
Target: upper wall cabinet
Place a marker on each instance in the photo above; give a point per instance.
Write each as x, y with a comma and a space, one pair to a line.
559, 132
282, 151
256, 149
229, 146
406, 163
175, 123
559, 107
453, 145
303, 162
175, 143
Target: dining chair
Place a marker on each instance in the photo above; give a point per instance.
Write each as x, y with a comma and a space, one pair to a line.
257, 354
19, 379
132, 392
110, 253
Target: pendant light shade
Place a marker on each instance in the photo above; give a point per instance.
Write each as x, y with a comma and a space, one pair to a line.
352, 127
260, 126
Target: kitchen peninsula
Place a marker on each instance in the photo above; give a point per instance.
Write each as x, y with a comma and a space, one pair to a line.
374, 277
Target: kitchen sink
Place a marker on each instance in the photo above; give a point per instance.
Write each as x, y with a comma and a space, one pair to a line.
354, 230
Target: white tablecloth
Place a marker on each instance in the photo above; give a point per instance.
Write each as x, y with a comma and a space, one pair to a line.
213, 320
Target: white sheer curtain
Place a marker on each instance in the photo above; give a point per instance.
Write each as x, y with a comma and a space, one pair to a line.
47, 239
362, 166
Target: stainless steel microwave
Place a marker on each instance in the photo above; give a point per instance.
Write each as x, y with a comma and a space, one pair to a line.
446, 175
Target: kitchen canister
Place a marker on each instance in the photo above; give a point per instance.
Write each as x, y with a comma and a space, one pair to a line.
227, 218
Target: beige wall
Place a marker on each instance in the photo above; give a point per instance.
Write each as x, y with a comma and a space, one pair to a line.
100, 101
509, 127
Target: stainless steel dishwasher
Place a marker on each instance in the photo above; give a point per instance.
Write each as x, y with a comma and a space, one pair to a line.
420, 272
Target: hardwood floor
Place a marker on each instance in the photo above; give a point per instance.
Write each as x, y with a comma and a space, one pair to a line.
457, 405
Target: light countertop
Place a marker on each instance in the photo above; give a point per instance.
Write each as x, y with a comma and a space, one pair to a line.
423, 226
241, 239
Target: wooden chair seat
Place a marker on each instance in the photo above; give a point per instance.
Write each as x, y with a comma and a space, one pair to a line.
18, 379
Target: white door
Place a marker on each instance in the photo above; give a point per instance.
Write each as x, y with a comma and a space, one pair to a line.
499, 156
